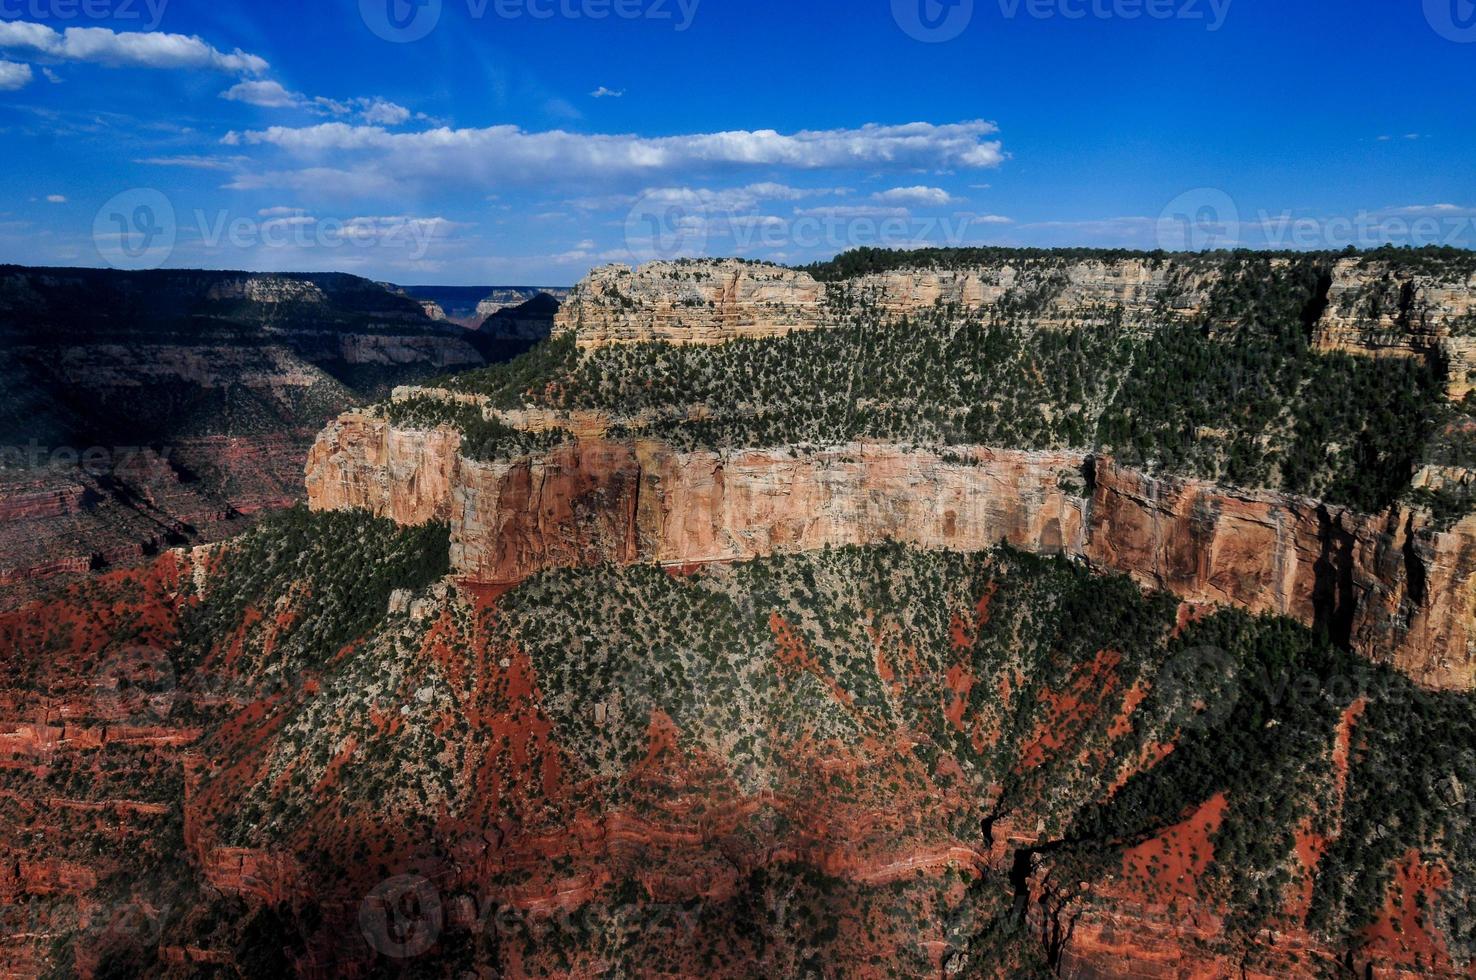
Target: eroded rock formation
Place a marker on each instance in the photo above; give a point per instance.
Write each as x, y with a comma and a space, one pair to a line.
1397, 591
1383, 310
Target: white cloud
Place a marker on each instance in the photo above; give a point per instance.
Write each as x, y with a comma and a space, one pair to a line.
364, 183
126, 50
14, 77
381, 113
921, 196
51, 76
1431, 210
273, 95
56, 198
726, 199
608, 93
507, 154
268, 95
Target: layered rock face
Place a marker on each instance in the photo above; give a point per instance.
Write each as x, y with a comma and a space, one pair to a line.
1383, 310
1399, 593
1053, 295
1387, 585
1373, 306
691, 303
711, 302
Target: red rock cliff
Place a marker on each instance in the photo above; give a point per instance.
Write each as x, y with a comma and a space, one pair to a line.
1402, 594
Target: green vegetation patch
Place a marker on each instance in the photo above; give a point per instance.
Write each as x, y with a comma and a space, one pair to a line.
332, 573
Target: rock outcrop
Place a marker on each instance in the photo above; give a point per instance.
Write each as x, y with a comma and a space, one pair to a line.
1052, 294
1385, 310
1397, 591
691, 303
711, 302
1373, 306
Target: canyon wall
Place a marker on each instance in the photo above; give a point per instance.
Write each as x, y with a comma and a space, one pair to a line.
712, 302
1382, 310
691, 303
1374, 307
1402, 594
147, 410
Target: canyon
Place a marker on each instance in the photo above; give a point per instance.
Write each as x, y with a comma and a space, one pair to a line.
148, 410
634, 703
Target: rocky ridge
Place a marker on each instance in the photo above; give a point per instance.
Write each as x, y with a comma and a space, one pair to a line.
1372, 306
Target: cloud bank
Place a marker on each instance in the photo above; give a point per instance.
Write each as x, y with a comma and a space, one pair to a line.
502, 155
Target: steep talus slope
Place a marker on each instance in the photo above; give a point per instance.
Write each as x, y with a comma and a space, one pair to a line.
862, 761
158, 408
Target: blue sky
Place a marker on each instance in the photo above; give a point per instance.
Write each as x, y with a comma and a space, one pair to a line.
525, 141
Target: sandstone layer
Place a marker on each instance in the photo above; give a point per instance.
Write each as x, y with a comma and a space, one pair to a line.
1373, 306
1384, 310
712, 302
1399, 592
691, 303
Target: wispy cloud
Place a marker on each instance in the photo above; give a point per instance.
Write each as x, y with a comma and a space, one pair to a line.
194, 162
608, 93
266, 94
